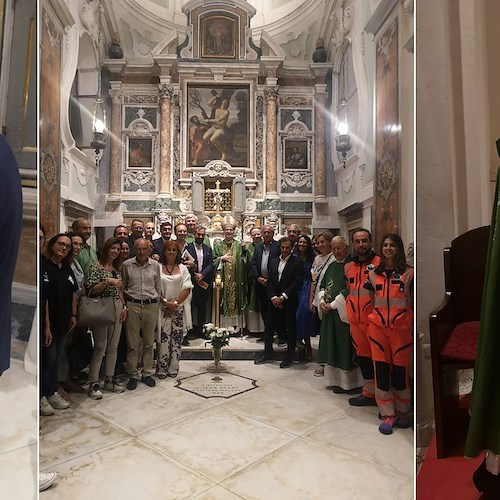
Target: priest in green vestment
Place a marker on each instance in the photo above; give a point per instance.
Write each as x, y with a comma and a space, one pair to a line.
336, 351
484, 426
230, 258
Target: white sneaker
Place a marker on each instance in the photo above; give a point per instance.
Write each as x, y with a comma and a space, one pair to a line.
95, 391
46, 480
113, 386
45, 407
58, 402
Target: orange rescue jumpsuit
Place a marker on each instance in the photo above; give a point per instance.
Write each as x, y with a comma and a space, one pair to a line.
391, 340
358, 306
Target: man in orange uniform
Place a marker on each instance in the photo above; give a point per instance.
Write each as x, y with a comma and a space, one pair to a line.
358, 307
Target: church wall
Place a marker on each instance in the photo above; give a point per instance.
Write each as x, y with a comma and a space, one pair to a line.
50, 145
454, 154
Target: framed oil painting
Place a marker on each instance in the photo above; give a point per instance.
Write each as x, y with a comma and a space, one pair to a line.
218, 124
296, 155
219, 37
139, 153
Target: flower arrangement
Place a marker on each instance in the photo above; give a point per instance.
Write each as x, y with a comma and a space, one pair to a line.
219, 337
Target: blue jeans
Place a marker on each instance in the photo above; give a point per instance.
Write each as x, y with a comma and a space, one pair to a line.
49, 358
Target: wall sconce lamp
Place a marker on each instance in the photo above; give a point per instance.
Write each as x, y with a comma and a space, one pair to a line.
98, 126
343, 140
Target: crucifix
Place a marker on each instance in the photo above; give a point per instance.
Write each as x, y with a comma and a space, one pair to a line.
217, 195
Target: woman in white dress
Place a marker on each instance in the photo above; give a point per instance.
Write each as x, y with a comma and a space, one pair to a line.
175, 313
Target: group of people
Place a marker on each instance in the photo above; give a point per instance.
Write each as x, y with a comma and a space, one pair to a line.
285, 291
362, 305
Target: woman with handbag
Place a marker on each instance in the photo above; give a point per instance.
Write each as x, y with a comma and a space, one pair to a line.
175, 316
105, 282
59, 303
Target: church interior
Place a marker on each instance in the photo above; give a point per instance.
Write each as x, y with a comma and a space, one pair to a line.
316, 102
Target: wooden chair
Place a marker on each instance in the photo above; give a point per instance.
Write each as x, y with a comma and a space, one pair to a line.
454, 330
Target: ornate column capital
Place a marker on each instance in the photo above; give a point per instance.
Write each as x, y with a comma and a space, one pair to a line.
271, 92
165, 91
320, 97
116, 95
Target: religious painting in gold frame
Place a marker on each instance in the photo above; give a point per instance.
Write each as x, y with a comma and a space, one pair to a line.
218, 126
219, 37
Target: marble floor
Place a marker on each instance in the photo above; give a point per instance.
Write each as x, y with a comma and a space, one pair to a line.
18, 433
281, 435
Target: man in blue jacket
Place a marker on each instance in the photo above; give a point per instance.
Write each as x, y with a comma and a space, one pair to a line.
11, 219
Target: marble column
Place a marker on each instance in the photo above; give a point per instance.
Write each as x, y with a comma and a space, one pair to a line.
320, 146
116, 126
271, 94
165, 93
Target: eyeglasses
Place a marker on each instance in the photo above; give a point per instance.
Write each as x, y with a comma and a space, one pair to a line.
63, 245
77, 245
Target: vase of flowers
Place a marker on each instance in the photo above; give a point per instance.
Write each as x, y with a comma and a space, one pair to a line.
219, 338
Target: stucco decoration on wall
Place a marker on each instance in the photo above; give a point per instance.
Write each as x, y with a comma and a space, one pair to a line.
347, 181
186, 48
140, 99
143, 43
274, 220
89, 13
81, 173
250, 205
339, 31
290, 100
408, 6
54, 36
49, 169
296, 45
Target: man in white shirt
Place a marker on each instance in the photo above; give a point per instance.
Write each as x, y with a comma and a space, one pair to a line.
202, 276
283, 285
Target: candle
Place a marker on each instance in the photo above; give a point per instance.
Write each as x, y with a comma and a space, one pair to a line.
218, 280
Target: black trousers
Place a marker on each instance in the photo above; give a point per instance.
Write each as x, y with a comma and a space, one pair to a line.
199, 307
281, 320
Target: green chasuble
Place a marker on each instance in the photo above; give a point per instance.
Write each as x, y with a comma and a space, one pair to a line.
234, 276
484, 427
335, 345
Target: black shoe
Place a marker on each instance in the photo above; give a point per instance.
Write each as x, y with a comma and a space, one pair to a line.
261, 339
131, 384
281, 342
286, 363
185, 341
148, 380
362, 401
263, 359
338, 390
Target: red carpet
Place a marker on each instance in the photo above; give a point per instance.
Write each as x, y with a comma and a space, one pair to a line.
446, 478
